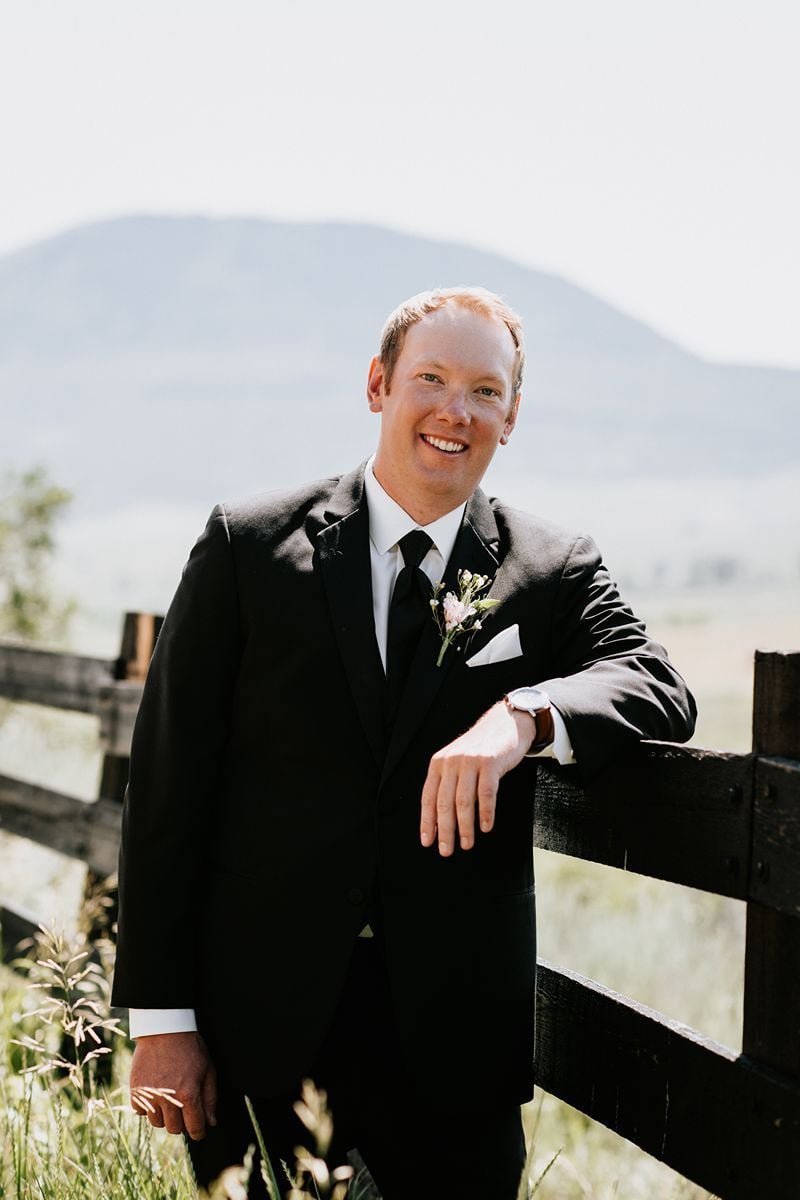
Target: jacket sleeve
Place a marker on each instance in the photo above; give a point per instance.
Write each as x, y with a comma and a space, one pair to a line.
177, 752
616, 686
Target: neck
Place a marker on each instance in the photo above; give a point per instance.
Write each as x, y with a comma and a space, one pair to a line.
423, 509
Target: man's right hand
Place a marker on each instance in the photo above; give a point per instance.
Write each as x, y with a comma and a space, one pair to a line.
181, 1062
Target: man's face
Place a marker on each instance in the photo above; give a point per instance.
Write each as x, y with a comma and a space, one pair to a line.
448, 407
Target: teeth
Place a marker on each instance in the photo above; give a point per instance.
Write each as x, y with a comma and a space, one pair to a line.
450, 447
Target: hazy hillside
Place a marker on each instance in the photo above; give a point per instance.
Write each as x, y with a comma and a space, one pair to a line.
168, 362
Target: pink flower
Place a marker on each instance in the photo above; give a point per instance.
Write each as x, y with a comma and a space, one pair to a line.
455, 611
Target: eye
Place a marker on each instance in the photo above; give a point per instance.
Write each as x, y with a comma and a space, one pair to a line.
429, 377
488, 391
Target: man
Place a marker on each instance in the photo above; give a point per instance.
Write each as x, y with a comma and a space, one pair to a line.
326, 865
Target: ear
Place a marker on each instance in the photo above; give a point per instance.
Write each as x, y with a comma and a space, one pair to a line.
375, 386
511, 421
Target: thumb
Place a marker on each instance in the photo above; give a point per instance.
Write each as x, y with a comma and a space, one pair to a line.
210, 1094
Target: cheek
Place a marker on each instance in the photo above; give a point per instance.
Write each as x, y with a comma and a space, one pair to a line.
491, 432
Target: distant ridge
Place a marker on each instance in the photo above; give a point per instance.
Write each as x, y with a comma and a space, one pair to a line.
188, 358
152, 282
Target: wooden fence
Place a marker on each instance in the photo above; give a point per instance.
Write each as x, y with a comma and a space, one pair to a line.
724, 823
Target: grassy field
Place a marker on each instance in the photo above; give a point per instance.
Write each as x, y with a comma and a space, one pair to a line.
675, 949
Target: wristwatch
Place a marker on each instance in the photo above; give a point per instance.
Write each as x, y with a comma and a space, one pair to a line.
535, 701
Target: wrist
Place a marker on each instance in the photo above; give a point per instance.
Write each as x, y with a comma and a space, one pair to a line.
526, 726
534, 703
182, 1035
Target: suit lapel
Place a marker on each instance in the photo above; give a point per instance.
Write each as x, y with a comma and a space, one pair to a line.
476, 549
344, 561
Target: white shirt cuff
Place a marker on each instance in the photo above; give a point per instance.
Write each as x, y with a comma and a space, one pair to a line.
146, 1022
561, 747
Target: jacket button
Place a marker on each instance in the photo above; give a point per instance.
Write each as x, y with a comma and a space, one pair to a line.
355, 896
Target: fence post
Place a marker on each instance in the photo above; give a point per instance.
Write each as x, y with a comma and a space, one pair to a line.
139, 633
771, 1031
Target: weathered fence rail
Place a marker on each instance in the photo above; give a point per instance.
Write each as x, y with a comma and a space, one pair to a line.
69, 681
109, 689
89, 832
724, 823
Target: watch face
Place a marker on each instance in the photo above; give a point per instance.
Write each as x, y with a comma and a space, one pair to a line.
531, 698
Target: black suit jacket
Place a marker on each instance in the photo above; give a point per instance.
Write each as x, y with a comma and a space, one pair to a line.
268, 808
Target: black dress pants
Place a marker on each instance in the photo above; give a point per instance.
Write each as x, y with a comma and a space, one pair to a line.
414, 1151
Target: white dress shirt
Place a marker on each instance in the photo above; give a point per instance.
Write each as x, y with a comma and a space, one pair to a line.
388, 523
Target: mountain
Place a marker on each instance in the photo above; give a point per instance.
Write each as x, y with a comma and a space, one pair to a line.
174, 361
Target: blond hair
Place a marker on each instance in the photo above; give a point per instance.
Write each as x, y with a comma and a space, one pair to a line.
476, 299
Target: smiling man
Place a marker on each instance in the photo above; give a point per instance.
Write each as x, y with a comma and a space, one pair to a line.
326, 865
447, 399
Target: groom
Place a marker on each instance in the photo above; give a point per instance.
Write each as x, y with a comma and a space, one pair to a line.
326, 864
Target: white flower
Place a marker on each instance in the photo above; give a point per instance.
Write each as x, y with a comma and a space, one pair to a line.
460, 612
455, 611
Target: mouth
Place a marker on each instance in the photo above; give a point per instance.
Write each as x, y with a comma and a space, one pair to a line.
446, 447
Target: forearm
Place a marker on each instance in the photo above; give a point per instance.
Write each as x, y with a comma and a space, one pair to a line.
611, 706
613, 684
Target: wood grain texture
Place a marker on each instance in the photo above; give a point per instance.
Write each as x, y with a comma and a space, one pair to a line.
86, 831
720, 1119
772, 989
771, 1032
139, 634
69, 681
666, 811
117, 706
775, 876
776, 704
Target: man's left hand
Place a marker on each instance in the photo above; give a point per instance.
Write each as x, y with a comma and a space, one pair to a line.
469, 770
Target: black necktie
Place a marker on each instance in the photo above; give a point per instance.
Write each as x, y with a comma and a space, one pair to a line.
409, 610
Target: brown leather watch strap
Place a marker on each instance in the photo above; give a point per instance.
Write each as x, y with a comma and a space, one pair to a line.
545, 730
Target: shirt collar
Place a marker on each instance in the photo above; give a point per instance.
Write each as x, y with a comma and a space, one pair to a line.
388, 522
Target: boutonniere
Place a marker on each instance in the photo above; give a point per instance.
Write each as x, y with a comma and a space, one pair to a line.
457, 614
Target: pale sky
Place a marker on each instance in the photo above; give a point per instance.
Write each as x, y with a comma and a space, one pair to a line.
647, 151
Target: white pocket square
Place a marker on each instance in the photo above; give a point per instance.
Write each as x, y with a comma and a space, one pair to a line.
505, 644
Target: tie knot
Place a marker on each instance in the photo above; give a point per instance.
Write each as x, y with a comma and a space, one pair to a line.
414, 546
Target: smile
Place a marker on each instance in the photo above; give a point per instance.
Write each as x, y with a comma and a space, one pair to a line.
441, 444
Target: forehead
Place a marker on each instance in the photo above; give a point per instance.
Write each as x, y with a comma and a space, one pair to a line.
457, 337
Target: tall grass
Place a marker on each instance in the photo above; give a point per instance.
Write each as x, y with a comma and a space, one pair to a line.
68, 1131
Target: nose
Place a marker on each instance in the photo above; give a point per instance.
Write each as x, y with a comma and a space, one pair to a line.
454, 407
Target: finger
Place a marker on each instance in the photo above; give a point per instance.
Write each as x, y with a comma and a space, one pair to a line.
156, 1117
488, 781
210, 1095
446, 811
466, 789
427, 823
194, 1118
172, 1118
140, 1103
